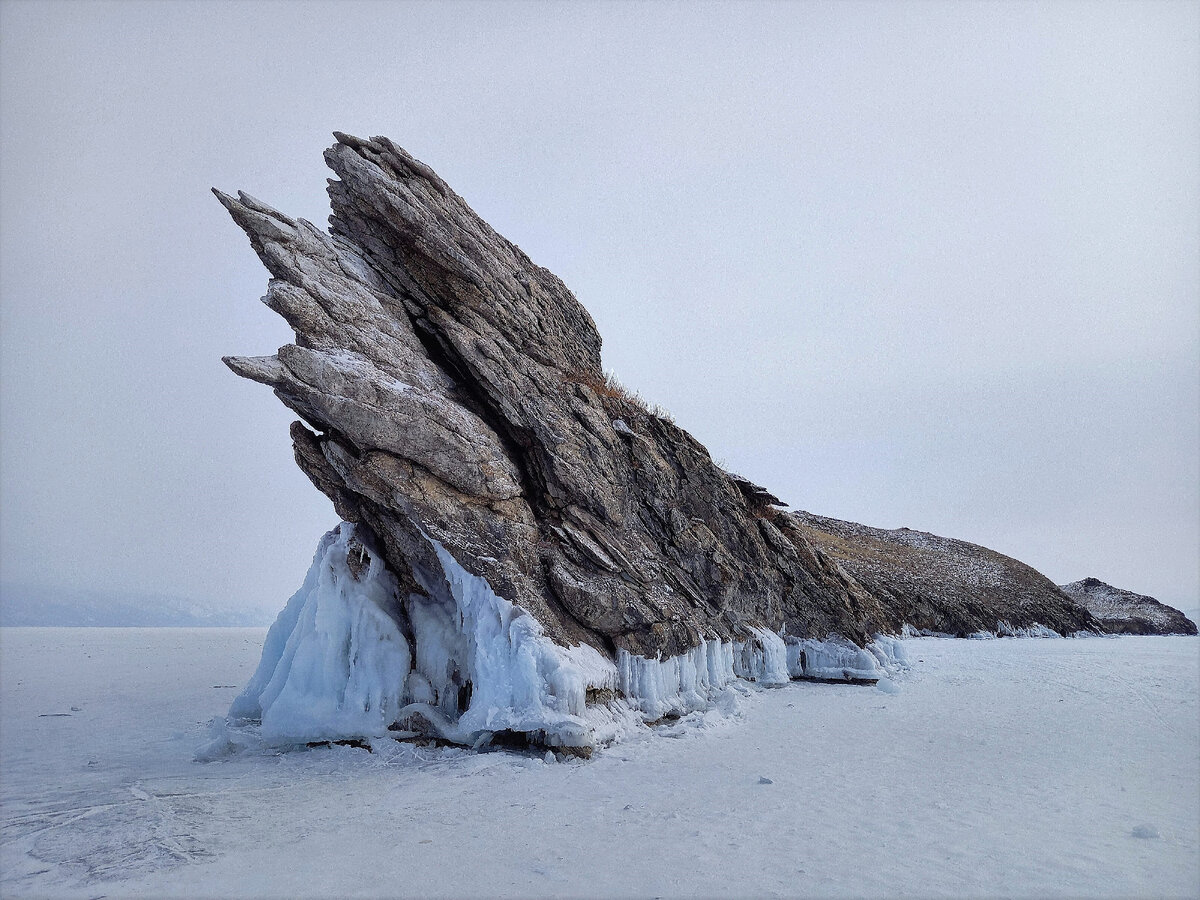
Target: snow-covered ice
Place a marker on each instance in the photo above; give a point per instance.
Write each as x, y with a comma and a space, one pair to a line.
1005, 767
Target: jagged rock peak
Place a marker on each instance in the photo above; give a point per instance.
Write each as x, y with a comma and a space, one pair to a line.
453, 391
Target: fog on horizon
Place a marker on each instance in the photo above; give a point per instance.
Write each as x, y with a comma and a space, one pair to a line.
911, 264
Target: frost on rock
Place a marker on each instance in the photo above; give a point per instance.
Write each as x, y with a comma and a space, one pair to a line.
1119, 611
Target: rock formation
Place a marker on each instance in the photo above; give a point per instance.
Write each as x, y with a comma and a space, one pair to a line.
455, 410
1124, 612
941, 585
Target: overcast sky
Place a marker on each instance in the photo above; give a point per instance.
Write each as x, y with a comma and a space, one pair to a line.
933, 265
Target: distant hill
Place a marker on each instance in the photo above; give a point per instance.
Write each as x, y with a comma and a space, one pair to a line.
1124, 612
941, 584
30, 605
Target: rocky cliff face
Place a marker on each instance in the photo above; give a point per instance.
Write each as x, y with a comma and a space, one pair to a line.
456, 412
1124, 612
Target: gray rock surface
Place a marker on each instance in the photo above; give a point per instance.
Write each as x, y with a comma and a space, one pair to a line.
1124, 612
452, 389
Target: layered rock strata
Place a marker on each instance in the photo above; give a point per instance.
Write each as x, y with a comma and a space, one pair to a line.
455, 411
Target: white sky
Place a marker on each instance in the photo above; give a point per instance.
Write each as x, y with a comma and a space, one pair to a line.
934, 265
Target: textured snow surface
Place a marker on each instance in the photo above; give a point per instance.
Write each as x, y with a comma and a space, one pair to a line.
1011, 767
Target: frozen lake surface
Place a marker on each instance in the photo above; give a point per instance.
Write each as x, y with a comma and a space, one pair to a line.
1008, 767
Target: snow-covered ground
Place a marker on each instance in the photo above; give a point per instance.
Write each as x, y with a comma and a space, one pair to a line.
1007, 767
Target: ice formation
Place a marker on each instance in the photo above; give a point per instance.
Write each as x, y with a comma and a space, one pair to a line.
334, 663
837, 659
510, 676
1002, 629
677, 685
349, 658
1005, 629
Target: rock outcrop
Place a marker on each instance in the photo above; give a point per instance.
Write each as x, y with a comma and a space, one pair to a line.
453, 391
1124, 612
941, 585
456, 412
